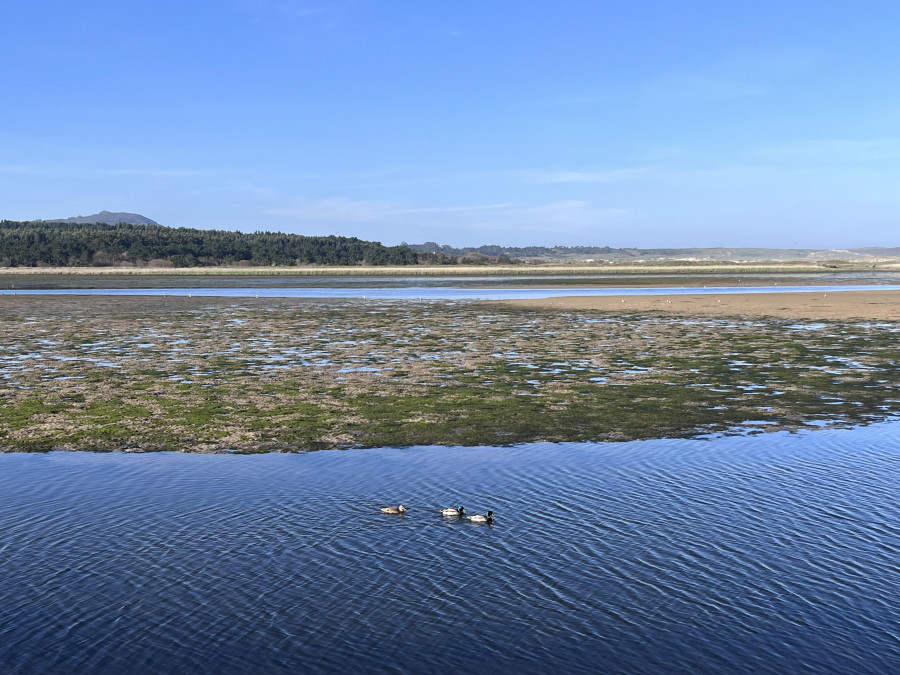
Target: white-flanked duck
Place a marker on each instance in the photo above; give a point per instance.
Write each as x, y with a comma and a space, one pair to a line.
481, 518
454, 513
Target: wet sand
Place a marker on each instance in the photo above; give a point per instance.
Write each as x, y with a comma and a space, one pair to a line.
832, 306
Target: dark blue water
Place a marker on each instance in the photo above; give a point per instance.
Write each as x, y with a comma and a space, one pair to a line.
770, 553
448, 293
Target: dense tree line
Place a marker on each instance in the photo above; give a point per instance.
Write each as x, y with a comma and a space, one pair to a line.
39, 243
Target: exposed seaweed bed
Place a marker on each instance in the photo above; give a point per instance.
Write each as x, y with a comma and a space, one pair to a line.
248, 375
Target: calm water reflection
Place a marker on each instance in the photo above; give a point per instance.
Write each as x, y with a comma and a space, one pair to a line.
769, 553
10, 282
449, 293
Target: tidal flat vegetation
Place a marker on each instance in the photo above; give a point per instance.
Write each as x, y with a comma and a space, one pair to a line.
248, 375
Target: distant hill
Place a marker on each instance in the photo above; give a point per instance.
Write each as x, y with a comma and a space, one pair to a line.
108, 218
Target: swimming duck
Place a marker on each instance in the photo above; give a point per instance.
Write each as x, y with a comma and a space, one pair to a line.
480, 518
461, 511
393, 509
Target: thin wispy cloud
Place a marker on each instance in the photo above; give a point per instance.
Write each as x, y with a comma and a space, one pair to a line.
665, 89
460, 209
771, 65
696, 88
835, 150
304, 14
552, 219
742, 74
338, 210
22, 170
559, 218
170, 173
288, 8
341, 210
66, 171
606, 176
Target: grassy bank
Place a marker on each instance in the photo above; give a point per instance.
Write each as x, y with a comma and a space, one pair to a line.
208, 375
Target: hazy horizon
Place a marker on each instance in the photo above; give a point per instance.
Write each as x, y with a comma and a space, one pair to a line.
646, 125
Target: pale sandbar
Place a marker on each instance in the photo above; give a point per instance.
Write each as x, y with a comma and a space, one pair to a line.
830, 306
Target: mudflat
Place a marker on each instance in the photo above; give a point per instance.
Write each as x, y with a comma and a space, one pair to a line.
254, 375
830, 306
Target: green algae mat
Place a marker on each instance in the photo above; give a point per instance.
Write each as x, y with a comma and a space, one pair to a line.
226, 375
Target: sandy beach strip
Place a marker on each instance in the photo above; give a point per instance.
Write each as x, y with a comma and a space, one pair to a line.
832, 306
528, 269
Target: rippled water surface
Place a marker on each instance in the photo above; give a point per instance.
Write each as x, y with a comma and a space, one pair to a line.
767, 553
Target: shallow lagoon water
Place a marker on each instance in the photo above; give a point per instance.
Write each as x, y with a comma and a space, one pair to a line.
450, 293
11, 282
757, 553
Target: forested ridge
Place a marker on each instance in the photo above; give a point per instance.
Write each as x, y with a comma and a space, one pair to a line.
45, 243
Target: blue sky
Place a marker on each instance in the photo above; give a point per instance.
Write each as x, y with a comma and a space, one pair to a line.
599, 123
